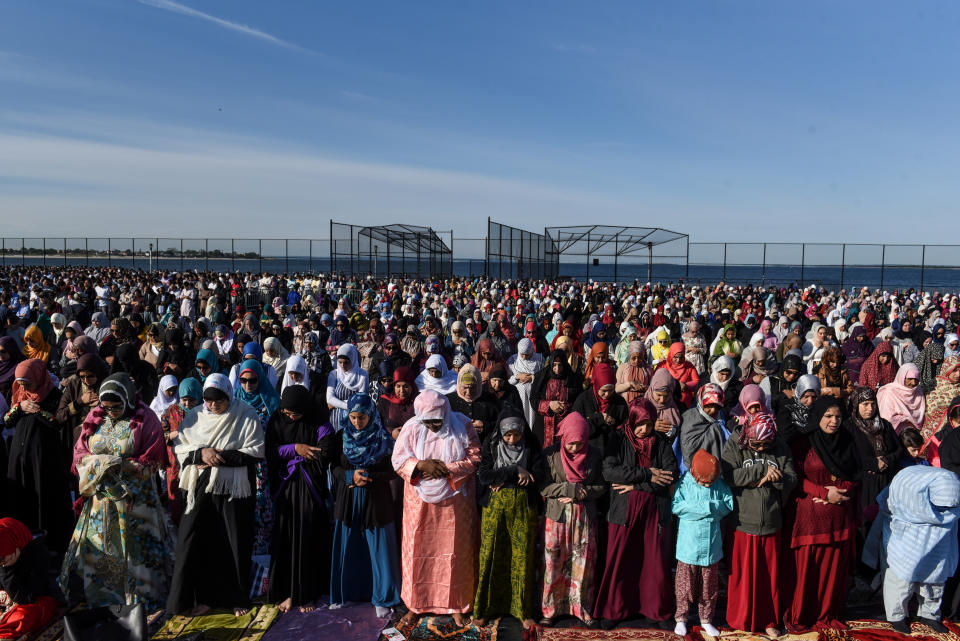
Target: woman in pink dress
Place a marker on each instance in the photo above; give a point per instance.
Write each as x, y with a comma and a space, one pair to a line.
436, 455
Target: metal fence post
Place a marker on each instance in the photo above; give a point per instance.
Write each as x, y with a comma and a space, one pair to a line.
883, 264
233, 255
763, 269
923, 264
260, 255
64, 252
803, 260
181, 254
133, 253
843, 264
686, 273
44, 239
3, 251
616, 255
724, 262
206, 254
86, 251
588, 255
649, 262
109, 253
332, 245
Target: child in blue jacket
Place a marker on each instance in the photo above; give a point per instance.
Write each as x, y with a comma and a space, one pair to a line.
702, 499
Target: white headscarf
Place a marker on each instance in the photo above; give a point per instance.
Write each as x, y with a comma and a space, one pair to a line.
446, 384
354, 379
161, 402
236, 429
277, 362
296, 364
722, 363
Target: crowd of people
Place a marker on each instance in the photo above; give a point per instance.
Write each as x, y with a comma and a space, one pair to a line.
476, 448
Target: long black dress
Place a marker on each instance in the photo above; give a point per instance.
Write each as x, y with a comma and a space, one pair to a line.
301, 543
215, 544
37, 486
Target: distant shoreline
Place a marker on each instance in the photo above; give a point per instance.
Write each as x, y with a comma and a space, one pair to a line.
137, 257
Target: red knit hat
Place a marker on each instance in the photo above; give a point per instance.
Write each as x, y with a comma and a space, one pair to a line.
14, 536
705, 467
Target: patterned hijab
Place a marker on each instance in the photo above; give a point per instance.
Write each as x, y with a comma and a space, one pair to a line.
364, 447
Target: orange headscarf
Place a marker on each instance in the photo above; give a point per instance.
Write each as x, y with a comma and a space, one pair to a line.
42, 349
32, 370
597, 349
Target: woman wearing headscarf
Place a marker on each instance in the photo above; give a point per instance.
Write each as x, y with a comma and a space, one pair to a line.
599, 333
275, 355
80, 395
10, 357
603, 408
523, 367
780, 386
727, 344
576, 361
190, 394
251, 352
640, 466
856, 349
472, 401
633, 376
36, 491
150, 350
695, 347
30, 601
571, 480
930, 360
880, 368
818, 338
628, 334
792, 344
825, 507
834, 378
682, 372
661, 394
300, 446
659, 342
554, 391
486, 358
345, 381
437, 455
166, 396
726, 375
793, 416
937, 401
144, 377
34, 345
396, 408
509, 498
598, 354
950, 460
703, 427
99, 328
757, 366
218, 448
257, 392
879, 451
758, 468
366, 555
902, 402
770, 340
436, 376
121, 548
174, 357
205, 364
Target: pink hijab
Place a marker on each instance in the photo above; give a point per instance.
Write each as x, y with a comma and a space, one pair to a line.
750, 395
770, 340
574, 428
901, 405
668, 411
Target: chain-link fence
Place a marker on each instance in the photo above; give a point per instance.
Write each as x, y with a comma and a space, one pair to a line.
351, 249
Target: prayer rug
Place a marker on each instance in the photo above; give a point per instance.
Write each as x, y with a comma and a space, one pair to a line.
221, 625
357, 622
441, 628
617, 634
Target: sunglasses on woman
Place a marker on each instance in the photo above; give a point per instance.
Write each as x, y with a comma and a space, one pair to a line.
249, 380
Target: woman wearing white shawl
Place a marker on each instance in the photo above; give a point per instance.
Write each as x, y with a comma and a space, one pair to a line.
343, 382
218, 447
275, 354
437, 455
295, 365
523, 367
445, 383
163, 400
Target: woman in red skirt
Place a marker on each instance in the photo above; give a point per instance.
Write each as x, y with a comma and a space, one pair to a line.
823, 536
757, 466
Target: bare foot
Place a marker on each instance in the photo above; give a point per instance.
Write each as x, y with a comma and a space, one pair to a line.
462, 620
199, 610
772, 632
528, 623
239, 612
308, 607
480, 623
410, 618
285, 606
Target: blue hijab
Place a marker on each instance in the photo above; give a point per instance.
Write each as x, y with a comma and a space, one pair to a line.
252, 350
191, 387
264, 397
364, 447
210, 359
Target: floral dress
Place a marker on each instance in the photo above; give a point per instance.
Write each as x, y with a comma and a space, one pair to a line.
121, 548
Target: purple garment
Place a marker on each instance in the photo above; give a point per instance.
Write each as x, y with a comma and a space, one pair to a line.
289, 452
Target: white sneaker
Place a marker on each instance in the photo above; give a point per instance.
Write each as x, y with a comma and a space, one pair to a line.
680, 629
382, 612
710, 630
335, 606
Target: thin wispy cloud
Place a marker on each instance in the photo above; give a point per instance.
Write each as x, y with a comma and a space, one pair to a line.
176, 7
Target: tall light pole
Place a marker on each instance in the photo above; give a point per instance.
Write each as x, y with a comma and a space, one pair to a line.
150, 256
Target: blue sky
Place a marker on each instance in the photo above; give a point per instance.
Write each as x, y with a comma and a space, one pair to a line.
733, 121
